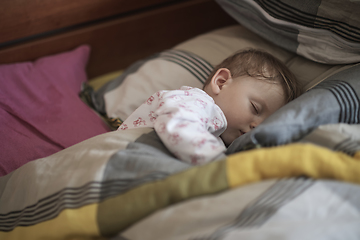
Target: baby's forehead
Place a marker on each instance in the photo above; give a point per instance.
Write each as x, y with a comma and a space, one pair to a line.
259, 79
271, 79
263, 72
265, 88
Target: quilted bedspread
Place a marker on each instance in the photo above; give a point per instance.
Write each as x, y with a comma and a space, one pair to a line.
104, 185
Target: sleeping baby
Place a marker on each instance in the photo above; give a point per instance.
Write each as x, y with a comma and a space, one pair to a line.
197, 125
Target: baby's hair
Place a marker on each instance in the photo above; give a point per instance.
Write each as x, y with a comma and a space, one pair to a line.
263, 66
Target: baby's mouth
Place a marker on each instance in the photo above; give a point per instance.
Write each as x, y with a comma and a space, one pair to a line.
242, 132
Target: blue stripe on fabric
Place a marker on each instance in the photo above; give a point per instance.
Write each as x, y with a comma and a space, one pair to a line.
197, 66
259, 211
346, 97
288, 13
71, 198
349, 146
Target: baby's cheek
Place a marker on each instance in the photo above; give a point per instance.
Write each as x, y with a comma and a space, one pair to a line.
229, 136
235, 135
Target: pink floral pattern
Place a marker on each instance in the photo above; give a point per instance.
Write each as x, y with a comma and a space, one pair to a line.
123, 127
200, 103
185, 121
174, 138
150, 100
217, 123
139, 122
152, 116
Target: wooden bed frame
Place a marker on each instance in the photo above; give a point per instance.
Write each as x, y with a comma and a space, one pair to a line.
118, 31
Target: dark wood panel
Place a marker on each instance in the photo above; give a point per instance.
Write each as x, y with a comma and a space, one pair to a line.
23, 18
117, 43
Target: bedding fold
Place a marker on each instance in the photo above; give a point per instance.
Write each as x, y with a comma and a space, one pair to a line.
130, 186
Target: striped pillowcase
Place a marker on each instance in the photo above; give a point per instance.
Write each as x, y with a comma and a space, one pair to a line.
324, 31
197, 66
346, 96
168, 70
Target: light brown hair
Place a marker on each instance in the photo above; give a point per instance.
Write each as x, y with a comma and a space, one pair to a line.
263, 66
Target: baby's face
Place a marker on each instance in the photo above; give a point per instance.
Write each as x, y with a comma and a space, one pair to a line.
246, 102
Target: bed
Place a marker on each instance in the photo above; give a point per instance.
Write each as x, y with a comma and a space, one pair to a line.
71, 72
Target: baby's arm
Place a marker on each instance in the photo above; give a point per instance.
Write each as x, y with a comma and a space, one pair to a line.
182, 124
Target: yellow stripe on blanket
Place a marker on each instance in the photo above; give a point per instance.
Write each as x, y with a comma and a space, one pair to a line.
117, 213
69, 224
290, 161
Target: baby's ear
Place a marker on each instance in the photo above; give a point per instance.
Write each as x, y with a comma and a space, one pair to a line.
220, 78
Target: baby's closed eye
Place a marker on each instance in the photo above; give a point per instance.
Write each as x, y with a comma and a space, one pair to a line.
255, 108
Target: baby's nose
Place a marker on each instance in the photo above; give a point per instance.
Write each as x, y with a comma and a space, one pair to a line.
253, 125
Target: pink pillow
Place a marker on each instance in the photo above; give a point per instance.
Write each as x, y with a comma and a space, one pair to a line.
40, 110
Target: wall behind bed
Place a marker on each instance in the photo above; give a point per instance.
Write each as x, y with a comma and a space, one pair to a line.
118, 31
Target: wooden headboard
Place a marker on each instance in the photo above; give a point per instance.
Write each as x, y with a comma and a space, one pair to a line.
118, 31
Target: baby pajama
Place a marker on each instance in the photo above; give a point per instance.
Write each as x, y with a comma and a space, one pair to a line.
187, 121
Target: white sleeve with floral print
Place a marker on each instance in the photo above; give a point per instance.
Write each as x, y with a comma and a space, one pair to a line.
187, 121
